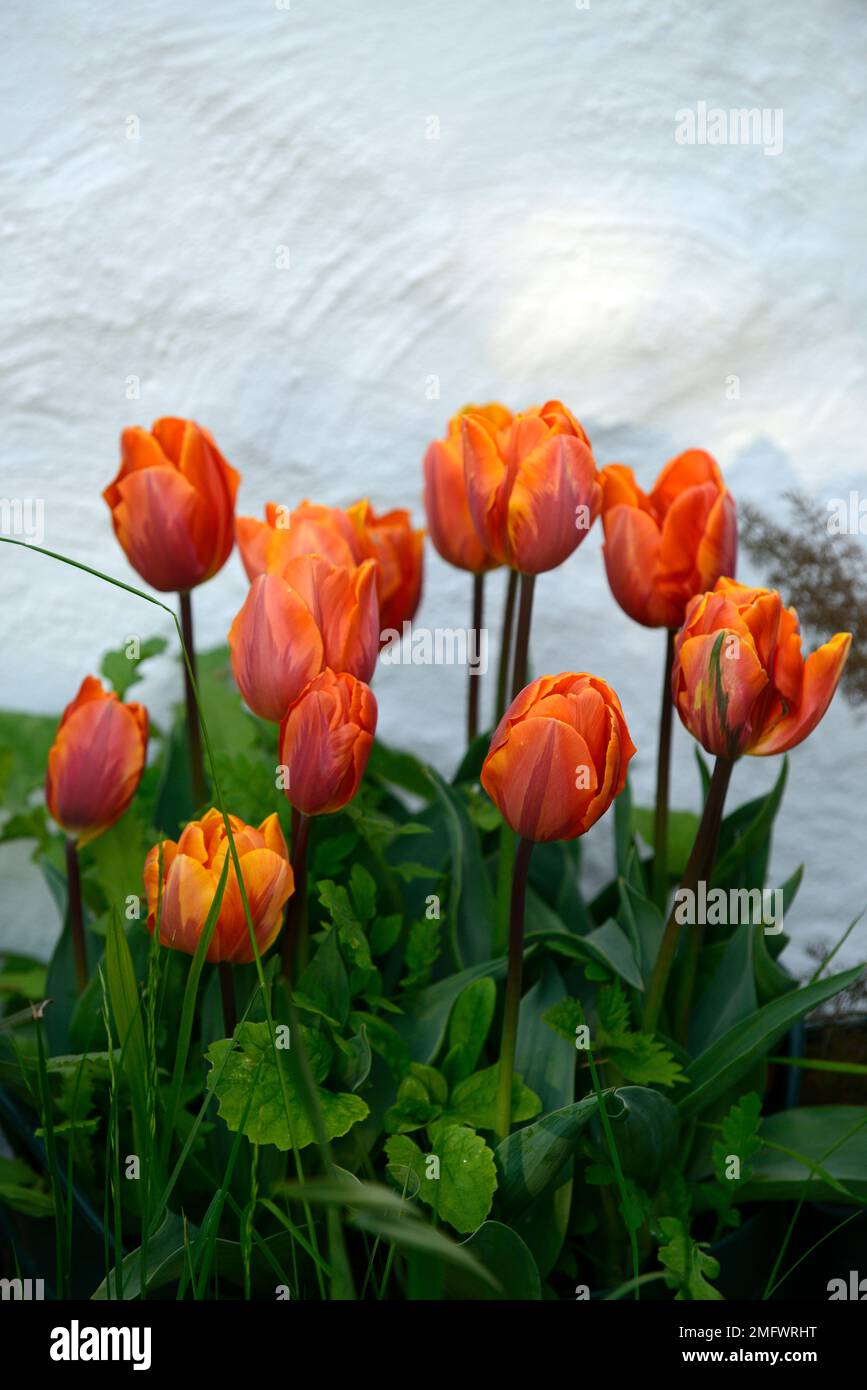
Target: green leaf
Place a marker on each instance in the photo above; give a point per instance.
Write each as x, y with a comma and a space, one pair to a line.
464, 1190
123, 670
504, 1254
363, 887
25, 740
474, 1101
646, 1128
745, 839
833, 1138
324, 986
426, 1014
250, 1078
124, 998
413, 1108
730, 996
386, 1042
727, 1059
23, 1189
686, 1263
531, 1161
471, 906
608, 946
422, 952
384, 934
682, 830
740, 1139
471, 1018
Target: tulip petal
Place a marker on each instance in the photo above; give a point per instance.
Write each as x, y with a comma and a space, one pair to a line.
717, 680
554, 501
153, 520
542, 778
631, 551
275, 645
95, 765
822, 671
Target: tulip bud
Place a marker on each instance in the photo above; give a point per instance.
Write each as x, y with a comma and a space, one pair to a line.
292, 625
559, 757
96, 761
531, 486
172, 504
325, 741
398, 551
445, 494
311, 529
191, 872
663, 549
740, 682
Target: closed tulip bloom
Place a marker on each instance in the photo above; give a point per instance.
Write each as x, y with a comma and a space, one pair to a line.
531, 485
325, 741
191, 870
445, 494
559, 757
740, 682
664, 548
398, 552
96, 761
173, 504
314, 614
266, 546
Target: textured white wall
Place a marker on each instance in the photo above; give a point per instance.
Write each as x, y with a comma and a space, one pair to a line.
554, 240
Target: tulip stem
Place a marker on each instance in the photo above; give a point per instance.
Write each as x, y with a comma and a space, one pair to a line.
227, 995
522, 637
700, 865
512, 1004
296, 908
75, 916
474, 674
506, 645
194, 736
663, 769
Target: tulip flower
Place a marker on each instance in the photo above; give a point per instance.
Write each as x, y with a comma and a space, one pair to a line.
291, 625
556, 763
191, 873
451, 526
664, 548
740, 682
533, 495
311, 529
173, 510
741, 685
532, 485
173, 503
325, 742
398, 551
94, 768
660, 551
559, 757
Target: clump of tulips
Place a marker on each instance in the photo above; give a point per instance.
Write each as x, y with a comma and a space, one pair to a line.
284, 863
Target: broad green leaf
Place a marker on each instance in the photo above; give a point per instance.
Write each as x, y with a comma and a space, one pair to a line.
504, 1254
646, 1129
730, 996
642, 921
474, 1101
22, 1189
124, 999
608, 945
471, 1019
470, 911
251, 1066
531, 1161
727, 1059
682, 830
831, 1137
745, 839
324, 986
463, 1191
426, 1014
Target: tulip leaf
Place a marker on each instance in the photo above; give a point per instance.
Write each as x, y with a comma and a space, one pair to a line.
459, 1186
682, 830
729, 1057
820, 1150
250, 1063
643, 923
607, 946
426, 1013
745, 839
532, 1160
471, 908
731, 994
505, 1255
646, 1131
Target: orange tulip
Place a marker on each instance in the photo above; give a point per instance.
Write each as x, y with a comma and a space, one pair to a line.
559, 757
663, 549
311, 529
398, 551
191, 870
291, 625
445, 493
531, 485
96, 761
740, 682
172, 504
325, 741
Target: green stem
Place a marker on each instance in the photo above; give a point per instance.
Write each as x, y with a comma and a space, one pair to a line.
75, 915
296, 908
474, 676
506, 645
194, 736
663, 768
505, 864
618, 1169
699, 867
522, 637
512, 1004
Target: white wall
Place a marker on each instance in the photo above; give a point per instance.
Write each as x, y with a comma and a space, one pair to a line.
554, 240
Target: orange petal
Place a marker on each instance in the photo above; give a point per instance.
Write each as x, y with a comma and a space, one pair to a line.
275, 645
554, 501
822, 671
153, 520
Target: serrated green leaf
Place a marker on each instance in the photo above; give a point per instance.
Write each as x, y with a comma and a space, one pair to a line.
686, 1263
473, 1101
463, 1192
